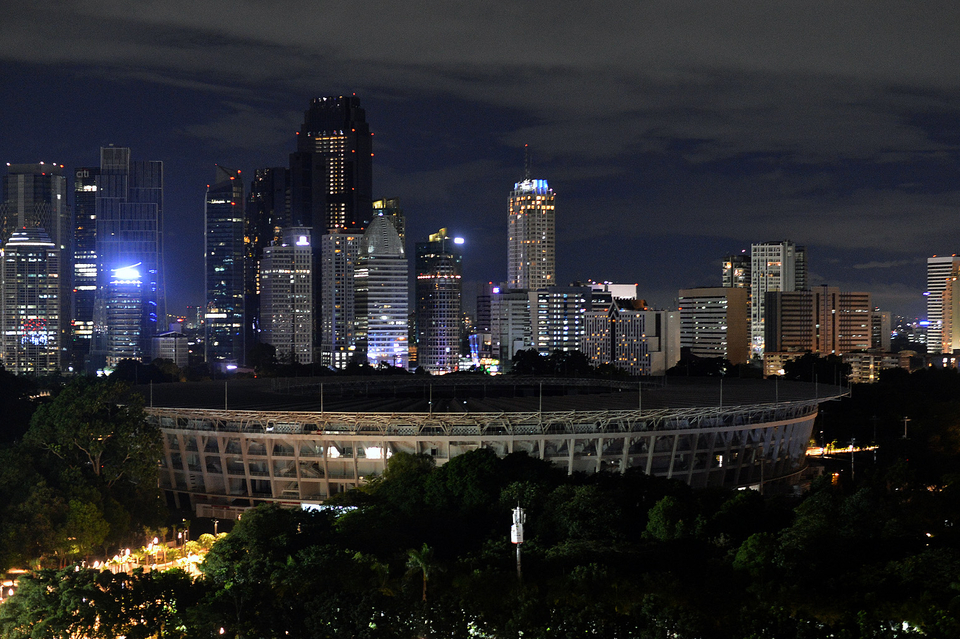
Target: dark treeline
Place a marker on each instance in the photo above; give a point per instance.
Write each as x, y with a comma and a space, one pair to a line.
426, 552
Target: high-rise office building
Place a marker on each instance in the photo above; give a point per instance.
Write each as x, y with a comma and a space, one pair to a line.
736, 270
267, 213
35, 196
714, 323
381, 285
557, 315
331, 186
332, 170
129, 241
286, 296
531, 235
123, 311
30, 304
774, 266
939, 268
338, 316
791, 322
84, 263
637, 340
390, 209
510, 327
223, 265
439, 289
824, 320
881, 326
843, 323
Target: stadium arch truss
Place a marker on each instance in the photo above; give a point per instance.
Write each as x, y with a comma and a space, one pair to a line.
224, 461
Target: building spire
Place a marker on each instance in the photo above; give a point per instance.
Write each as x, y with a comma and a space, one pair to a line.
526, 161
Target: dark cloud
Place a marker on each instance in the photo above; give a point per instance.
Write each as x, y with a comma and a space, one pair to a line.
673, 131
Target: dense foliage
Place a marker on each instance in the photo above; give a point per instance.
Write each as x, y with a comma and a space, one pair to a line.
426, 553
81, 480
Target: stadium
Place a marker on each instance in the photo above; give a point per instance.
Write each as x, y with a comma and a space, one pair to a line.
231, 445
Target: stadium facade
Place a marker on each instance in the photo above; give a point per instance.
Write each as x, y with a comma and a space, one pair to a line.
284, 445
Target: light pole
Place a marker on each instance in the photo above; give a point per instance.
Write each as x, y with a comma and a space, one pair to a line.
905, 420
516, 534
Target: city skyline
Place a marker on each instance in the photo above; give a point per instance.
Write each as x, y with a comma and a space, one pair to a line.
675, 136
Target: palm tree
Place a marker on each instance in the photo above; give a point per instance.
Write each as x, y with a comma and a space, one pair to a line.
421, 561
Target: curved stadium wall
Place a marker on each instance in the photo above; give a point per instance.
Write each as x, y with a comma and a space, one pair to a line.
222, 461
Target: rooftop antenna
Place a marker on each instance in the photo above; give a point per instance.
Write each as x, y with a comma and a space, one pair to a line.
526, 162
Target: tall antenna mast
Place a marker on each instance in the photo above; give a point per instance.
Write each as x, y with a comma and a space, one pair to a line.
526, 161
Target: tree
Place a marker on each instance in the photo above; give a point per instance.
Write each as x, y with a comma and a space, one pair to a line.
99, 428
529, 362
421, 561
15, 392
92, 444
263, 358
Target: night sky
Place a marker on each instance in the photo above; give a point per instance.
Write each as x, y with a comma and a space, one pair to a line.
673, 132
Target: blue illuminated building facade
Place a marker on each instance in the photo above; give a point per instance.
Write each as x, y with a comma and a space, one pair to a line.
381, 286
129, 206
123, 307
223, 264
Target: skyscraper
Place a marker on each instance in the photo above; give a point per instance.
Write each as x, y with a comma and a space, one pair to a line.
531, 233
31, 324
35, 196
123, 312
267, 213
390, 209
381, 284
223, 265
439, 264
736, 270
774, 266
332, 170
939, 268
286, 296
129, 236
331, 186
338, 253
84, 262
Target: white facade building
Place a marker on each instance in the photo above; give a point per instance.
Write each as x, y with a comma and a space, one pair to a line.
510, 323
172, 345
557, 317
774, 266
286, 296
713, 323
939, 269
